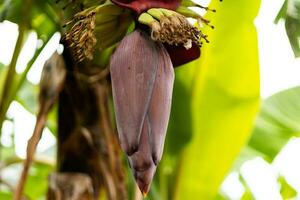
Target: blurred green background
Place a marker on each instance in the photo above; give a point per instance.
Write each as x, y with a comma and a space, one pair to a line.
231, 134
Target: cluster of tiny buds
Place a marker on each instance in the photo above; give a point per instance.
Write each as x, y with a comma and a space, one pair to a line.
81, 36
176, 30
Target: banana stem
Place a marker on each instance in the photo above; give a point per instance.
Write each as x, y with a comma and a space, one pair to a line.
5, 99
4, 102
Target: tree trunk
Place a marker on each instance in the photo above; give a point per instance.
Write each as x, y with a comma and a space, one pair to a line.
70, 186
87, 142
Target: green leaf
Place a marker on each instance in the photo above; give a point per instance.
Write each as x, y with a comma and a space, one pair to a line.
277, 122
290, 11
11, 10
42, 24
6, 195
246, 154
292, 25
287, 191
180, 129
282, 12
36, 183
247, 194
225, 100
7, 152
42, 18
221, 197
180, 124
52, 120
45, 19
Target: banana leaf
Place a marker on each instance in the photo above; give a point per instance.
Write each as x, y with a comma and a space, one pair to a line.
225, 100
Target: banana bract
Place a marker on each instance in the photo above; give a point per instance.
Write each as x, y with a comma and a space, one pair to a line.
133, 69
180, 55
142, 83
141, 5
160, 105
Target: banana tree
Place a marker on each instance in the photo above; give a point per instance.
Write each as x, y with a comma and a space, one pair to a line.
118, 60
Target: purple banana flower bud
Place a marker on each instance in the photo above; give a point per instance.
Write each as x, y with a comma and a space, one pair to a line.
142, 80
160, 105
133, 67
141, 162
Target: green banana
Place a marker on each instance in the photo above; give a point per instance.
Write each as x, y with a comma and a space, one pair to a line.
156, 13
146, 19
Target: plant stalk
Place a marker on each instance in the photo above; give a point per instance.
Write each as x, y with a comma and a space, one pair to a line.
5, 99
10, 77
